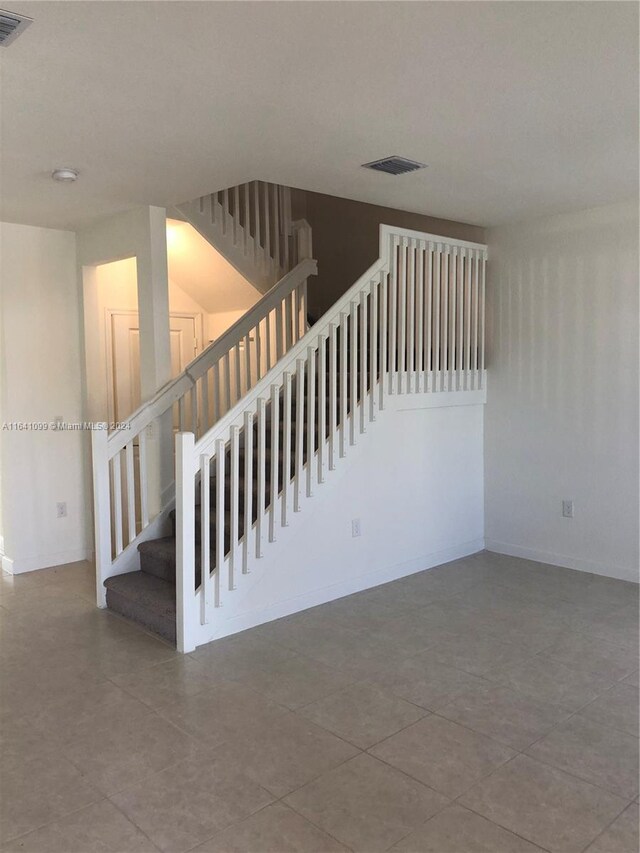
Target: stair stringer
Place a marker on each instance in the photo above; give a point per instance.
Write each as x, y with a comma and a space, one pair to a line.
254, 601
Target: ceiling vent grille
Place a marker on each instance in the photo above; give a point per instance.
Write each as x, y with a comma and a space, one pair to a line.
395, 165
11, 25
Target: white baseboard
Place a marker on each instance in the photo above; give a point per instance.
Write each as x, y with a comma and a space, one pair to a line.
563, 560
47, 561
7, 565
244, 621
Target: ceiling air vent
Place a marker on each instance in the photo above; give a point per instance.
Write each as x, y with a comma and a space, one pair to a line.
395, 165
11, 25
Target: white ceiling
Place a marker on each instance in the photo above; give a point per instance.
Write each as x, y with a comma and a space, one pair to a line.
519, 108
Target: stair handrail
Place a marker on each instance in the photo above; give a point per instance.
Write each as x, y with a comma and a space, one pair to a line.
171, 392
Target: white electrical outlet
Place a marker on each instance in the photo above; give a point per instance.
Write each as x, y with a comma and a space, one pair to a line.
355, 527
61, 509
567, 509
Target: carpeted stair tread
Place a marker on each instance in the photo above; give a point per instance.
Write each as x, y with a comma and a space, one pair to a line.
144, 599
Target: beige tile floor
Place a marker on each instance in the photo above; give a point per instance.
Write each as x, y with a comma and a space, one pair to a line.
490, 704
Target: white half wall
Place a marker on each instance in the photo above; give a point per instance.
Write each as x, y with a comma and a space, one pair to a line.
41, 379
562, 409
415, 481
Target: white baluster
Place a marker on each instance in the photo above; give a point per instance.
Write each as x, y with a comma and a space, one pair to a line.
445, 321
437, 260
117, 502
236, 213
453, 274
206, 597
461, 311
276, 228
247, 218
279, 332
402, 310
383, 336
373, 349
256, 209
420, 316
131, 493
353, 370
101, 509
286, 448
267, 224
185, 543
247, 361
288, 324
227, 378
393, 317
428, 357
468, 312
297, 485
204, 414
217, 371
225, 211
476, 323
258, 352
220, 518
238, 372
311, 417
333, 395
248, 488
322, 405
411, 308
234, 496
275, 437
261, 463
363, 362
343, 384
142, 473
482, 261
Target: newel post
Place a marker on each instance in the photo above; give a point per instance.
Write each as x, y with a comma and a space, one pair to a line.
185, 542
101, 508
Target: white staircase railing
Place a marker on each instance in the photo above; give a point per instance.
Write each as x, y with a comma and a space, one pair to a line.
412, 324
251, 225
126, 499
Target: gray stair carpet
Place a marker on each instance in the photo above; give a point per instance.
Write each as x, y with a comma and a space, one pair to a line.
148, 596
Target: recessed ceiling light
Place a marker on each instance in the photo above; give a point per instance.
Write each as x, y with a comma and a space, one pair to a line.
395, 165
66, 176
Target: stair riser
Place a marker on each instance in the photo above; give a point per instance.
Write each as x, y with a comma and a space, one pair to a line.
164, 626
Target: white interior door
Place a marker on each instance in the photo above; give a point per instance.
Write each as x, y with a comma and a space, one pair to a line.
124, 363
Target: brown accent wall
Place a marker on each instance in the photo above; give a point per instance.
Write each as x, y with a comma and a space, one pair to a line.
345, 240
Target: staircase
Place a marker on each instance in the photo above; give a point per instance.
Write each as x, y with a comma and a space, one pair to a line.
251, 225
149, 596
245, 462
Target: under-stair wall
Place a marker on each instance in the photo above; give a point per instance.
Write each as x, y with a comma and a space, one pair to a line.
413, 482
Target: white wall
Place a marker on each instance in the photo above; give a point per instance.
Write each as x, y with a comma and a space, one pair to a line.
41, 379
562, 413
415, 481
